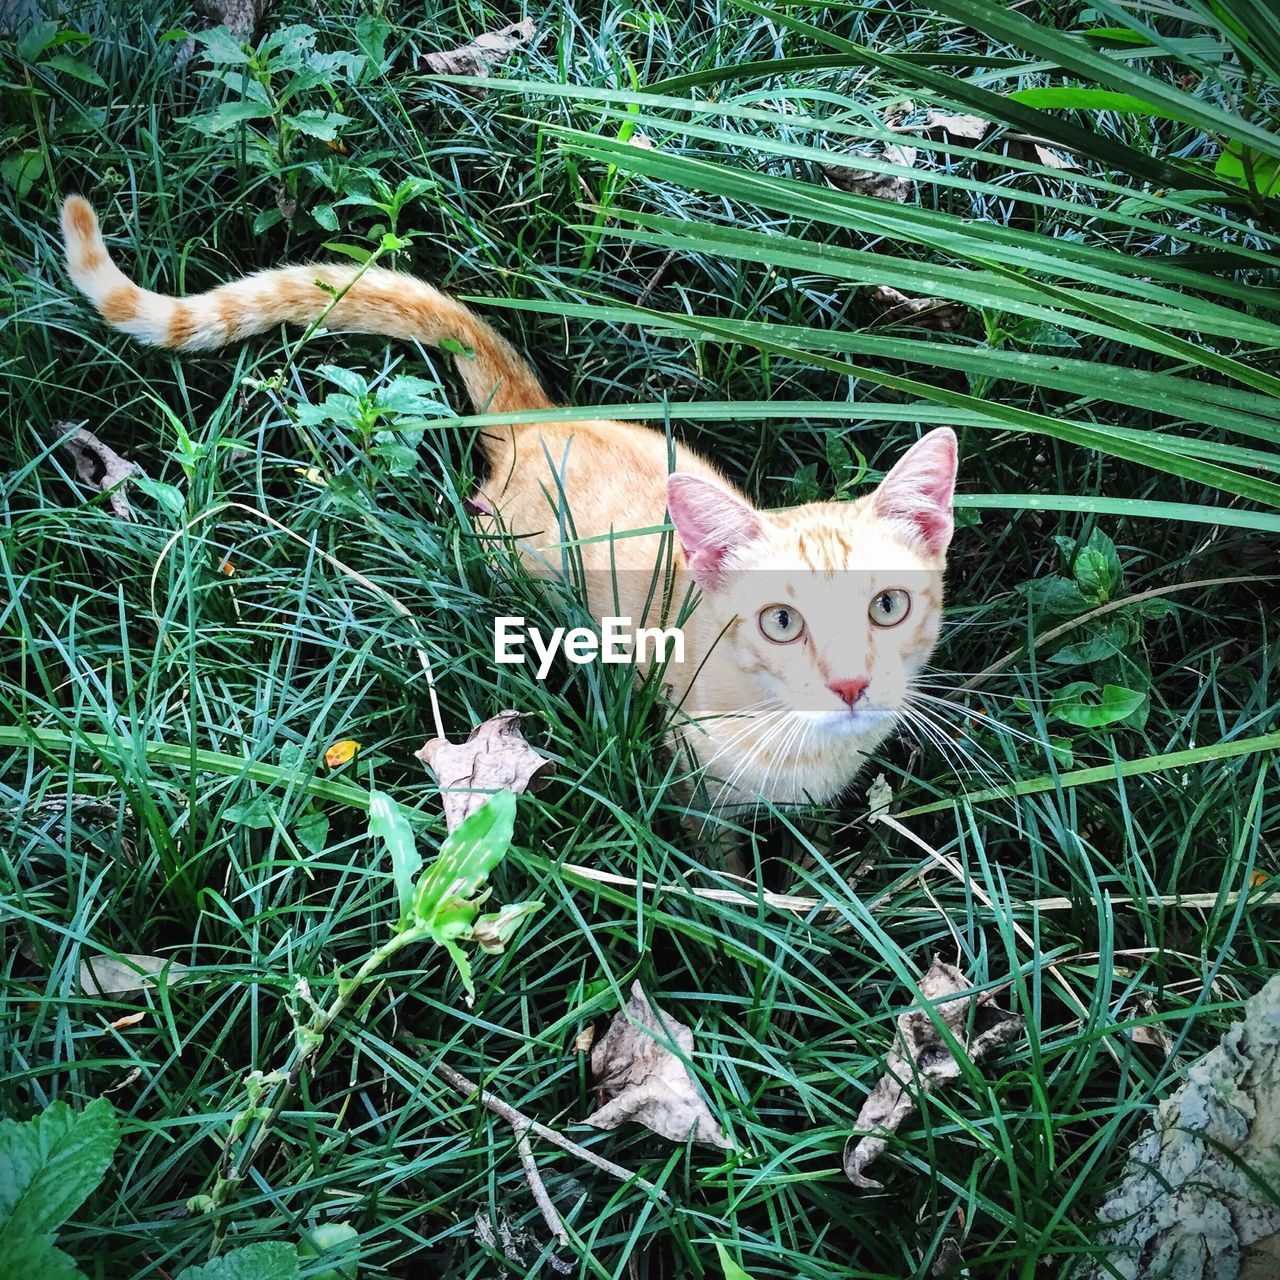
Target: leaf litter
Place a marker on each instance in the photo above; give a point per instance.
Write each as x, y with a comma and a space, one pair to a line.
645, 1082
495, 757
98, 466
482, 54
920, 1059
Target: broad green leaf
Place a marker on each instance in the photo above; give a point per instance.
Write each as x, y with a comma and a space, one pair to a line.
49, 1165
347, 380
249, 1262
388, 824
73, 66
466, 857
256, 812
323, 125
221, 47
339, 1238
36, 39
325, 217
311, 831
1097, 568
1076, 705
22, 171
229, 115
35, 1258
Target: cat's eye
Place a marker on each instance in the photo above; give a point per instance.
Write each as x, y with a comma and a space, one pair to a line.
890, 608
781, 624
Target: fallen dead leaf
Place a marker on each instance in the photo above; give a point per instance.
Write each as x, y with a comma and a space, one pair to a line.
129, 1020
124, 974
879, 186
341, 753
960, 127
920, 1059
948, 1258
1022, 148
480, 56
585, 1038
647, 1083
98, 465
495, 757
928, 313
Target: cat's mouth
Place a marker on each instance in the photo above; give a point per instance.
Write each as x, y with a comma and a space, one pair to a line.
851, 722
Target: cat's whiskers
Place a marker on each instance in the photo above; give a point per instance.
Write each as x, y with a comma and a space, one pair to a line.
988, 721
953, 748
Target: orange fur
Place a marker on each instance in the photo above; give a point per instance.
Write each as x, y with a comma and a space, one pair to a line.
765, 717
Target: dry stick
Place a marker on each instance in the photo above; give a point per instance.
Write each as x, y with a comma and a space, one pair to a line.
522, 1124
539, 1188
354, 574
1070, 625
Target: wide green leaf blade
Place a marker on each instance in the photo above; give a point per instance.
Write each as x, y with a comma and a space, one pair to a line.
266, 1261
49, 1165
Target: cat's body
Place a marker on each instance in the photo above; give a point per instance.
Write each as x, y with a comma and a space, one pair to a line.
796, 662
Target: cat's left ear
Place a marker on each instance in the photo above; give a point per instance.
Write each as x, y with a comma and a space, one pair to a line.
918, 490
711, 523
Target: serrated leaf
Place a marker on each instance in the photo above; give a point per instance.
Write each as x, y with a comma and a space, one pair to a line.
469, 852
407, 394
322, 125
388, 824
49, 1165
221, 46
228, 116
347, 380
250, 1262
36, 1256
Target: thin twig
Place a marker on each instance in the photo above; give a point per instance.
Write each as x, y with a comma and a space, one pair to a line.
521, 1123
381, 592
539, 1188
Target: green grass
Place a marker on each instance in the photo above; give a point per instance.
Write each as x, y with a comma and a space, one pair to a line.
1116, 373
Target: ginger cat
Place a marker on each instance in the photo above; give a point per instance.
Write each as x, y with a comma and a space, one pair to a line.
812, 621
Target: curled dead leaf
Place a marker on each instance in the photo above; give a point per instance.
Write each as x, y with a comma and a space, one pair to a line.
879, 186
920, 1059
480, 56
98, 465
928, 313
647, 1083
495, 757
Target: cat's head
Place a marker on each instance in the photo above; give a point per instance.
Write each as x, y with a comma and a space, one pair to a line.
824, 611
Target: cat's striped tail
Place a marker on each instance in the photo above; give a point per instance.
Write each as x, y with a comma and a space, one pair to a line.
337, 295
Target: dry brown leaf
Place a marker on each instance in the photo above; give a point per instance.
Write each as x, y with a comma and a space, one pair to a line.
129, 1020
98, 465
928, 313
644, 1081
879, 186
495, 757
483, 54
124, 974
960, 127
1022, 148
920, 1059
948, 1258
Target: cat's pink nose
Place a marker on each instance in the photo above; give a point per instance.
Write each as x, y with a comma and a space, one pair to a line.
848, 690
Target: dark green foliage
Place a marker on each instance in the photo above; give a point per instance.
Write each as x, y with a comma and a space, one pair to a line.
168, 687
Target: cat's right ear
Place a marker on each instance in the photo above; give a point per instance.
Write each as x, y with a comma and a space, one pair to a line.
711, 523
